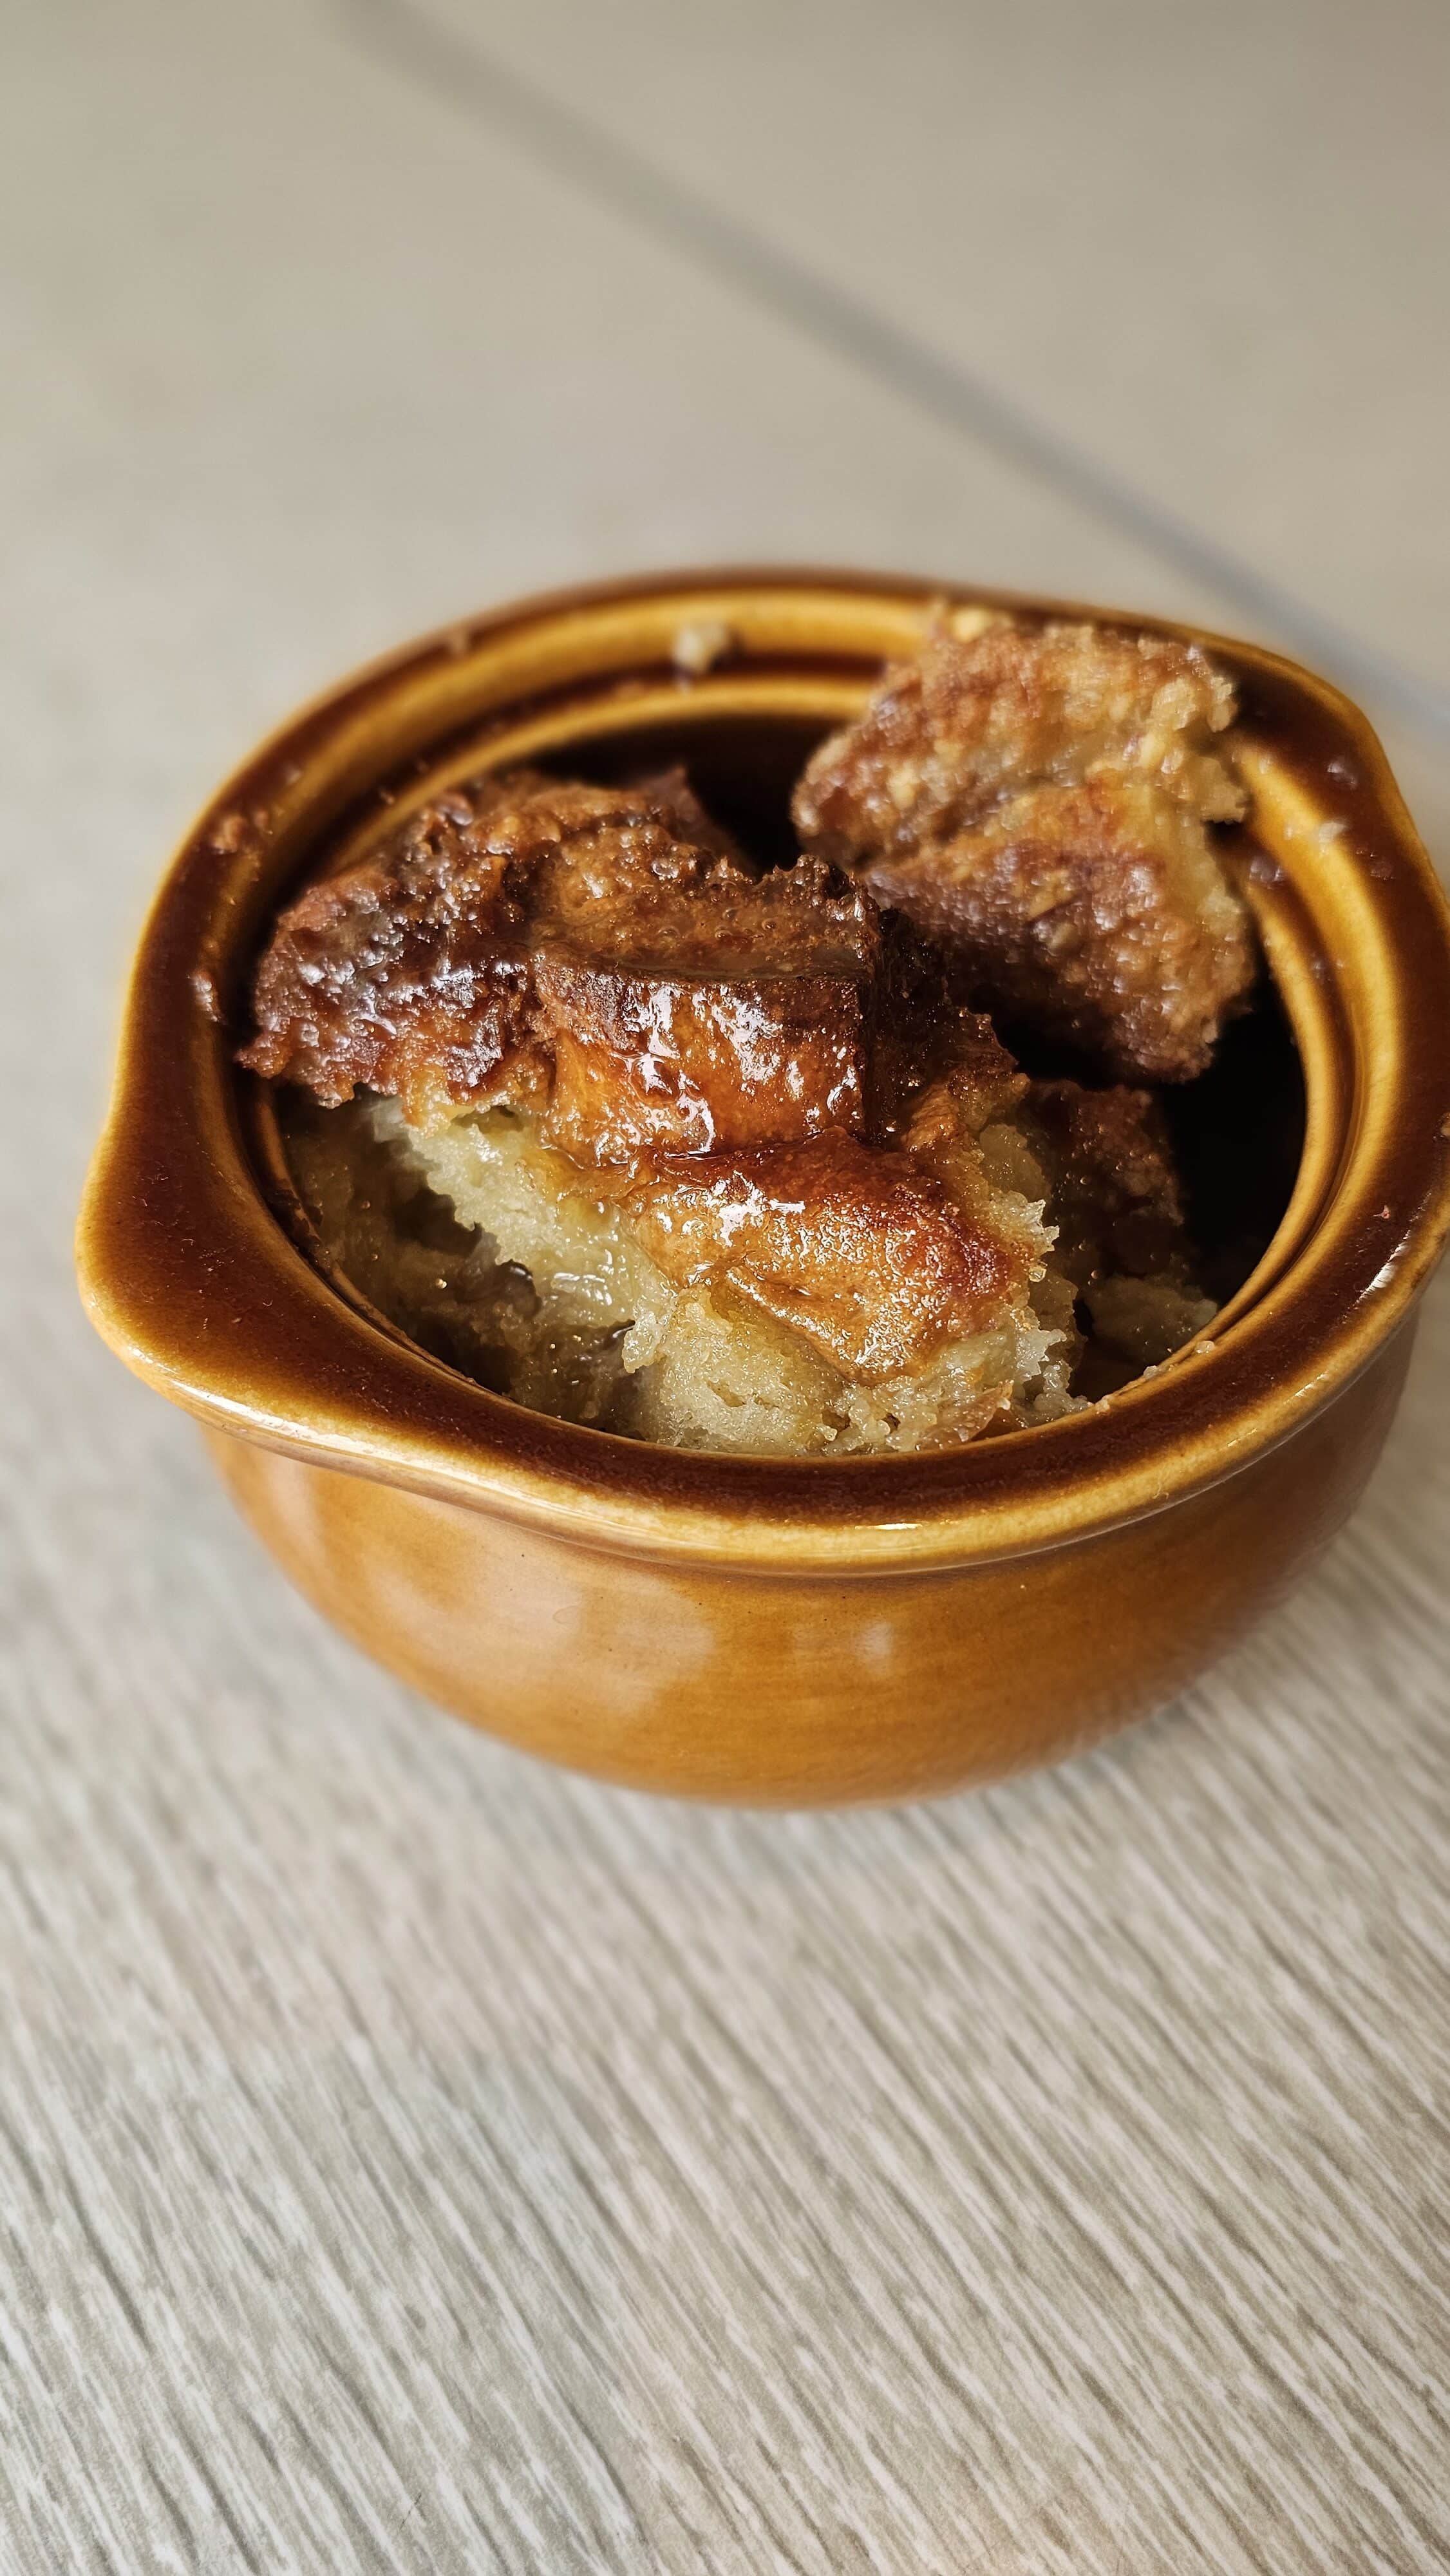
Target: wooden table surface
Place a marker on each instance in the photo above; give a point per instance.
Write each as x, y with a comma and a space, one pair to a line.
409, 2158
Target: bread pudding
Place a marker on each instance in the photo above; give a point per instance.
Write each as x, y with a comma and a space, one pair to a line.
641, 1132
1039, 801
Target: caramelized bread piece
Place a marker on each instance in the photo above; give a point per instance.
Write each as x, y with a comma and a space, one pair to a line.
865, 1254
731, 1014
922, 1024
968, 723
524, 936
405, 975
1122, 1239
1036, 800
411, 974
1100, 1166
669, 790
1116, 1199
967, 1082
1095, 913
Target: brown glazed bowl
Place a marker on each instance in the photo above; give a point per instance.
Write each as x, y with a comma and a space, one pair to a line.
748, 1629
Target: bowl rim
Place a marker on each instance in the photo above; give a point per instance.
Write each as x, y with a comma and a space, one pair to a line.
189, 1274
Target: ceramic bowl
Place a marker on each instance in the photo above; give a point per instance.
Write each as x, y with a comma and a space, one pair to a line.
747, 1629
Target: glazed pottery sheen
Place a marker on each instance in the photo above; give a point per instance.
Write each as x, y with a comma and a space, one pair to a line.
752, 1629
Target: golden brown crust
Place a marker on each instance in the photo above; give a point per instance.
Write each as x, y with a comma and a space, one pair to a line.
1073, 907
922, 1025
405, 975
526, 924
675, 1064
670, 791
859, 1250
948, 734
729, 1014
1116, 1199
1037, 801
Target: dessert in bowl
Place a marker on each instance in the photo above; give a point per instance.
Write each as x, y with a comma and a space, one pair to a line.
790, 1222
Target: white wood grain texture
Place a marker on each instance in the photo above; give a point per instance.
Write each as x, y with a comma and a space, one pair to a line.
413, 2159
1212, 257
